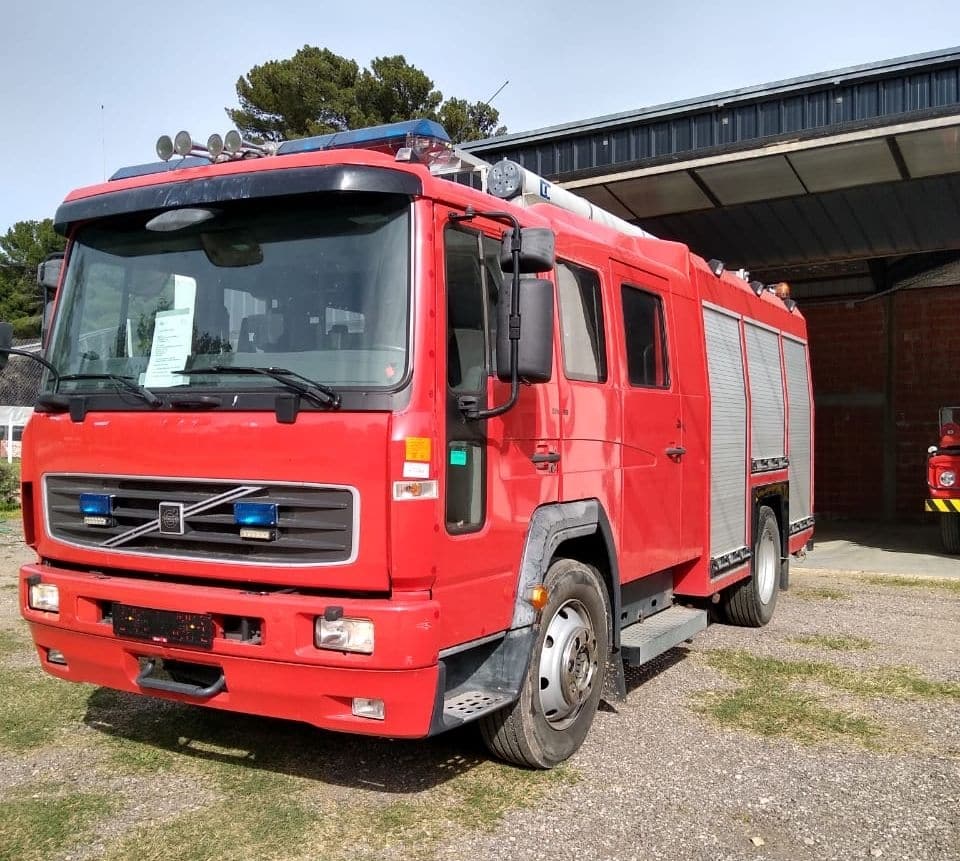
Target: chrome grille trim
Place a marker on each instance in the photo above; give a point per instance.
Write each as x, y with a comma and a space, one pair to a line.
319, 524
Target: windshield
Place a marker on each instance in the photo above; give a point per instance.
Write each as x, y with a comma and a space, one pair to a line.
320, 288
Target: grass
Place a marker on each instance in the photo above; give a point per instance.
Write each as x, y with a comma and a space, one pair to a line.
834, 642
11, 642
770, 710
817, 593
269, 815
768, 702
914, 582
38, 822
901, 682
267, 826
34, 708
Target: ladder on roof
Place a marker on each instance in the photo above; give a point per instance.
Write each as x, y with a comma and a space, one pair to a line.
512, 182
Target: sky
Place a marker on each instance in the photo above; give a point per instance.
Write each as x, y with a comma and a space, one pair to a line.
86, 88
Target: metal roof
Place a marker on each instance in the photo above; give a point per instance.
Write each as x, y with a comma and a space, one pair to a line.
854, 164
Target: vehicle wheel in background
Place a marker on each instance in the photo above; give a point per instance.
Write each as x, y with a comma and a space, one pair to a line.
751, 602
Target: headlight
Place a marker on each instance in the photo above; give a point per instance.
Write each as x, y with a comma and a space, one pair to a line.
948, 478
344, 635
44, 596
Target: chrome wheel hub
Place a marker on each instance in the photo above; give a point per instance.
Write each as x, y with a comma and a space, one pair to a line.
766, 567
568, 664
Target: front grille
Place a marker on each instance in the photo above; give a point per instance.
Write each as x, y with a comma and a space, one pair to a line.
316, 523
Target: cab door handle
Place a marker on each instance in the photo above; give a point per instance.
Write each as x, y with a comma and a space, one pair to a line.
676, 452
545, 457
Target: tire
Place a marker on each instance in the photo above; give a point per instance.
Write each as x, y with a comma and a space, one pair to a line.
751, 602
950, 532
561, 690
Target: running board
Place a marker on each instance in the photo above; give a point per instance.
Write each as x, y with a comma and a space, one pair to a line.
467, 706
643, 641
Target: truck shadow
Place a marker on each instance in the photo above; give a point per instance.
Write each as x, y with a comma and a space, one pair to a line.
634, 677
147, 729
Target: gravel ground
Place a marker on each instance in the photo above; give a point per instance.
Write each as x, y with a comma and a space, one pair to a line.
659, 781
655, 779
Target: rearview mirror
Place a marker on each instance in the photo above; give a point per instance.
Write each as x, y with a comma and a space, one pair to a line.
535, 350
6, 342
229, 248
48, 273
536, 250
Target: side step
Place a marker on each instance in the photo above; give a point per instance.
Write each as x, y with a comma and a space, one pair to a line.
466, 706
644, 640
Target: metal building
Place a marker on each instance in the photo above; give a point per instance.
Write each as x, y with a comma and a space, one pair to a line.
845, 184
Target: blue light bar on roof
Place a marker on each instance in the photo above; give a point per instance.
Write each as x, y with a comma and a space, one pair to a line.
385, 138
159, 167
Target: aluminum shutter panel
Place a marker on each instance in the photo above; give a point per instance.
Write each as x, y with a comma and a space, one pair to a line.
766, 394
728, 433
798, 399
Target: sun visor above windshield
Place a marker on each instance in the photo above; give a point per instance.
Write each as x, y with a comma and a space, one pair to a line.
242, 186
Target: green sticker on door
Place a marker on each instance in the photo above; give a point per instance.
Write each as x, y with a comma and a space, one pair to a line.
458, 457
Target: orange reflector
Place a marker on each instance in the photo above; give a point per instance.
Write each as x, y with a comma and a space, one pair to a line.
538, 597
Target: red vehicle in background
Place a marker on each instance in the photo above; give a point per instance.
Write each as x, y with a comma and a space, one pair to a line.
943, 471
361, 432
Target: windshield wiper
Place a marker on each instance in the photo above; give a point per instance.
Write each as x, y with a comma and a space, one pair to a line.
124, 382
319, 393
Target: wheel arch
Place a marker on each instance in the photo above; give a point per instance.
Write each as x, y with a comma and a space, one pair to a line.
776, 497
568, 530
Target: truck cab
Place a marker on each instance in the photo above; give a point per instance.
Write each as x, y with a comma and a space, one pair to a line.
943, 471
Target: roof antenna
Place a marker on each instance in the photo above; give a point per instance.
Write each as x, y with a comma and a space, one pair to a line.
497, 93
103, 143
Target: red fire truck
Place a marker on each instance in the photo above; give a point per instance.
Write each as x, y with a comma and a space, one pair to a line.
363, 432
943, 468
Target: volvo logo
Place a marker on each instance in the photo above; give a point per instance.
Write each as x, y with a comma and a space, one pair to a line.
171, 518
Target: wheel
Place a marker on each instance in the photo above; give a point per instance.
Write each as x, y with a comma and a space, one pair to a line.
950, 532
549, 721
751, 602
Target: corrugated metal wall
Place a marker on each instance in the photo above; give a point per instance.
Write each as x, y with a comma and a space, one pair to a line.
737, 122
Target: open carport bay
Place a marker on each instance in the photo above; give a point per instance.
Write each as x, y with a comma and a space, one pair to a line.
832, 733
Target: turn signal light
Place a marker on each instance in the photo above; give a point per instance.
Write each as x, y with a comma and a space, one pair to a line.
538, 597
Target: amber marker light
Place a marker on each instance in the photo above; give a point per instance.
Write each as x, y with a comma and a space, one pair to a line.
538, 597
782, 289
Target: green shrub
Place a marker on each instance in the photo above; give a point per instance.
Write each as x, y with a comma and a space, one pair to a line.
9, 484
27, 327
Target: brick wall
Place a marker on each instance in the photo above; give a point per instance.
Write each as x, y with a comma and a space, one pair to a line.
857, 394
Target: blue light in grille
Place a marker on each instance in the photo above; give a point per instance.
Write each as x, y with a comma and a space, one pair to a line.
255, 513
96, 504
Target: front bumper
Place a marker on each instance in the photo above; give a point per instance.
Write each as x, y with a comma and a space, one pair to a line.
282, 675
946, 506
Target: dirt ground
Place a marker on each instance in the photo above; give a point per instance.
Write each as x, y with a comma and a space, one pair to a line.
833, 733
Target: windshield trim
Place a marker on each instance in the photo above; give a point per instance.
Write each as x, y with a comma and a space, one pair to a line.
279, 182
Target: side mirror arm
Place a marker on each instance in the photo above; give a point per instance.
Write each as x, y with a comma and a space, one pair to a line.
468, 405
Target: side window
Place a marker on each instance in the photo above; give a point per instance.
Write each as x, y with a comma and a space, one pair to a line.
466, 313
646, 343
581, 322
469, 300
